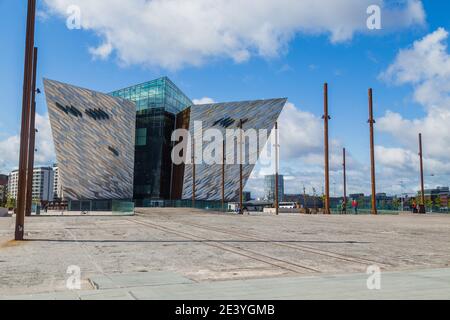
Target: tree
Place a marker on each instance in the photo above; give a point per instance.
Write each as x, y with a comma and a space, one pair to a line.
10, 202
438, 202
429, 203
396, 203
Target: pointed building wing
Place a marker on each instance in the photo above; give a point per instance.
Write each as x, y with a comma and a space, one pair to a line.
93, 135
256, 115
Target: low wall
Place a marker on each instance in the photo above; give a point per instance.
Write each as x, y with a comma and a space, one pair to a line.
281, 210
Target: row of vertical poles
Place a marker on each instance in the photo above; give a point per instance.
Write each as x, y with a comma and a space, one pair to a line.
326, 117
371, 122
25, 122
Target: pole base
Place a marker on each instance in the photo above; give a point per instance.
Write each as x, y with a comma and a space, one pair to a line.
422, 209
19, 233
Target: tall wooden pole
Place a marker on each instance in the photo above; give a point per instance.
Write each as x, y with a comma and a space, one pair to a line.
326, 117
345, 180
241, 186
24, 130
422, 184
193, 172
277, 200
223, 173
372, 154
32, 136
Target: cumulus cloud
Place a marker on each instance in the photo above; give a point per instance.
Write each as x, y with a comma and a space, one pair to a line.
300, 132
204, 100
9, 149
426, 67
176, 33
45, 155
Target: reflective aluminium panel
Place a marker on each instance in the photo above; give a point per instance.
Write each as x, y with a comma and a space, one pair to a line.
94, 136
258, 114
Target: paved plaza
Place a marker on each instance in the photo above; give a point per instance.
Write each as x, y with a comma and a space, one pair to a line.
185, 253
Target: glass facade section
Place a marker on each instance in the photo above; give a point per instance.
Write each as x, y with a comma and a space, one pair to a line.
159, 93
141, 137
157, 103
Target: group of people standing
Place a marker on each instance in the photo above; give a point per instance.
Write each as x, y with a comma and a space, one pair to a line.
354, 206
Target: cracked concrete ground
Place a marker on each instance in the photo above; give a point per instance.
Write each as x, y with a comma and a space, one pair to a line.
205, 247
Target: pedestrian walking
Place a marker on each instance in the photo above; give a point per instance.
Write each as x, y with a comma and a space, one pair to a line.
355, 206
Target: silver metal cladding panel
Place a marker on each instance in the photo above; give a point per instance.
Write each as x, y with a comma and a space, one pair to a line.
94, 141
258, 114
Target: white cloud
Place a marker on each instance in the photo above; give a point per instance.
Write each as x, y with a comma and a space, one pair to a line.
45, 155
204, 100
9, 150
102, 52
300, 132
176, 33
426, 67
396, 158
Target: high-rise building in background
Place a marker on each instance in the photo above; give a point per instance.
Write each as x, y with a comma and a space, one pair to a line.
42, 184
269, 187
57, 188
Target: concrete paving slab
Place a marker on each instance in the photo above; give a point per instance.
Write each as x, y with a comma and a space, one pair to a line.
430, 284
422, 284
139, 279
109, 294
210, 248
65, 295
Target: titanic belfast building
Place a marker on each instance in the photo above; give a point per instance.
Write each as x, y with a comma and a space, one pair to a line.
117, 146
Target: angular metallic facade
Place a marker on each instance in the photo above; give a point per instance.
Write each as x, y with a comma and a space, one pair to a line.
118, 145
94, 136
257, 115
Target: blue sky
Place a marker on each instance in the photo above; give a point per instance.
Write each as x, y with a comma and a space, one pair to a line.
297, 70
